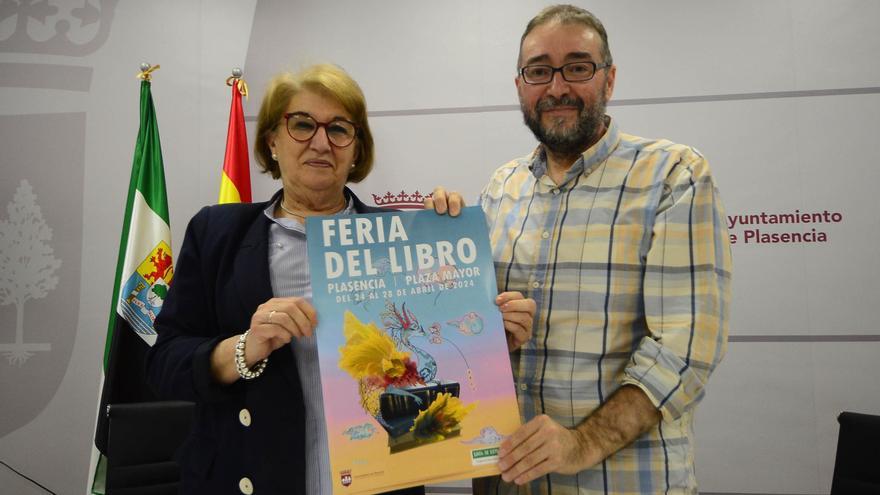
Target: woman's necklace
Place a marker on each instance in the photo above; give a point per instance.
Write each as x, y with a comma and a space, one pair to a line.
302, 217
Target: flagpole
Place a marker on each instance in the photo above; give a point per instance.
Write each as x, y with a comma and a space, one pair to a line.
147, 71
236, 80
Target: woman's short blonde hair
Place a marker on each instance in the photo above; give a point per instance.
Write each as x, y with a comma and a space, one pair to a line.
327, 80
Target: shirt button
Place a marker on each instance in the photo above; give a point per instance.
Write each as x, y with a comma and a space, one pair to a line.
244, 417
523, 387
245, 486
536, 285
545, 234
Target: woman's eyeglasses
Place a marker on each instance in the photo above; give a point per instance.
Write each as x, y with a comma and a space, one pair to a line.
303, 127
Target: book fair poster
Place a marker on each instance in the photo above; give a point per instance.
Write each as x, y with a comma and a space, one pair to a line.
415, 372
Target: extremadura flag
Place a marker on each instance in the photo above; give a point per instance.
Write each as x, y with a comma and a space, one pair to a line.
144, 272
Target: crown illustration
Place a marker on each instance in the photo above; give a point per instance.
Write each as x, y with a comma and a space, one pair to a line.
402, 200
58, 28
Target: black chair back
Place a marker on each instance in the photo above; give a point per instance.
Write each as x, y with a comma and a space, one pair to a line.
141, 442
857, 463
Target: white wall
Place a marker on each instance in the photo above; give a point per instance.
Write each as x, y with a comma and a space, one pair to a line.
782, 96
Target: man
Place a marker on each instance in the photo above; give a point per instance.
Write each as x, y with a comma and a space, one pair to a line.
622, 243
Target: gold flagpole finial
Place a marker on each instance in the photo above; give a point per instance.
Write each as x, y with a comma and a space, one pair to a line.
146, 72
236, 79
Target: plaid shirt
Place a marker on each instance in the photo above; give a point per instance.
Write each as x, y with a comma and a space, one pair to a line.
629, 262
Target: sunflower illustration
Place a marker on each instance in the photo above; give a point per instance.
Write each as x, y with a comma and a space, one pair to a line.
441, 419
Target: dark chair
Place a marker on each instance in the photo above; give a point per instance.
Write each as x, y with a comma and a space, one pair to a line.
857, 463
141, 442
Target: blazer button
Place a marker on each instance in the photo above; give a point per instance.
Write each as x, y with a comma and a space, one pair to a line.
244, 417
245, 486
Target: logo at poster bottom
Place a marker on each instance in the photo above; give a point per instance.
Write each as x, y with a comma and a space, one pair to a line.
484, 456
345, 477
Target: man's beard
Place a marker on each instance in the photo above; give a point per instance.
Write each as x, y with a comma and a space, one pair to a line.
566, 140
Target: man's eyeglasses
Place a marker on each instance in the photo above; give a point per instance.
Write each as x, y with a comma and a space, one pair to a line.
302, 127
571, 72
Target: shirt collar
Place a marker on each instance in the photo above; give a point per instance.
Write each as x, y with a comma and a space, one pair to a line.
593, 156
290, 223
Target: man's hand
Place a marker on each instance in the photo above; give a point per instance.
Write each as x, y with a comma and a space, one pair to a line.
444, 202
519, 315
543, 446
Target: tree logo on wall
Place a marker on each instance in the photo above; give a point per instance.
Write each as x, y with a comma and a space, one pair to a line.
27, 266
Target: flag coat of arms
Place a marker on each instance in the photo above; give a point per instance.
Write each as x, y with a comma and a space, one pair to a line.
144, 272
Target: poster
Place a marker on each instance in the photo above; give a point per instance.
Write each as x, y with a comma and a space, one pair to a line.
415, 372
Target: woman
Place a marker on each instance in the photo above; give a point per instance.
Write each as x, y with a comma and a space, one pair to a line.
241, 295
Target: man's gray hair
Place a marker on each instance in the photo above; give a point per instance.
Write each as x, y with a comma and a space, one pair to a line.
569, 14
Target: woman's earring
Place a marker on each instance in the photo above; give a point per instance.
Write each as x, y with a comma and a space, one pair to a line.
353, 165
274, 156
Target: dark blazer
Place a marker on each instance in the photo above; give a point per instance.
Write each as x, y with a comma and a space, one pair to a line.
251, 429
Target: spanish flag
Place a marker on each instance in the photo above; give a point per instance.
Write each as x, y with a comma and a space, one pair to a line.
235, 185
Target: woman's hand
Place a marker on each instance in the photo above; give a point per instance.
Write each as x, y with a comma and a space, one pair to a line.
519, 315
443, 202
275, 323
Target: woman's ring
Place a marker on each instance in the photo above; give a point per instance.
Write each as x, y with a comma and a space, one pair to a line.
269, 318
